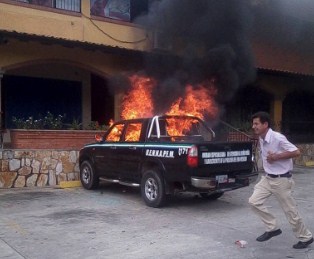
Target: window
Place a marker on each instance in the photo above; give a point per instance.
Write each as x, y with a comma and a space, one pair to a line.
133, 132
33, 97
47, 3
115, 9
115, 133
70, 5
123, 10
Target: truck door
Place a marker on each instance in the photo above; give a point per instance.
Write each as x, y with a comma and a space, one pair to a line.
106, 153
129, 151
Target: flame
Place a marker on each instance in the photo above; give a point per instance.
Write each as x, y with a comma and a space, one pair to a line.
197, 101
138, 102
178, 127
115, 133
133, 132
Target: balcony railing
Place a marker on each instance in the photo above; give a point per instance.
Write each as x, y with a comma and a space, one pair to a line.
69, 5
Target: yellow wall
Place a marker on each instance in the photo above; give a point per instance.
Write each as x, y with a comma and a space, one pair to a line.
20, 53
31, 19
36, 59
54, 61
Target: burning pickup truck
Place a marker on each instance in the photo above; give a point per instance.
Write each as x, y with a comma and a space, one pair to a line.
166, 154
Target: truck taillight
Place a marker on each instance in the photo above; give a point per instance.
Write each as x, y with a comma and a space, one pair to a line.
192, 158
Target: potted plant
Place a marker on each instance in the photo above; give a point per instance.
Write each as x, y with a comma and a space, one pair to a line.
51, 132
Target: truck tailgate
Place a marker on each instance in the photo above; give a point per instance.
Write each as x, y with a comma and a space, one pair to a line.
225, 157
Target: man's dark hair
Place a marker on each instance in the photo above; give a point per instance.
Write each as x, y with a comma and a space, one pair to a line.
263, 117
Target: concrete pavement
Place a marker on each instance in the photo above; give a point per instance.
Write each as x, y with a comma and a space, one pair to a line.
113, 222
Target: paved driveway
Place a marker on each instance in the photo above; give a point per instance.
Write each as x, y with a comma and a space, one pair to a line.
113, 222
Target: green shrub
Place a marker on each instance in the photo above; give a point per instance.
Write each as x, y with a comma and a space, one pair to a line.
50, 121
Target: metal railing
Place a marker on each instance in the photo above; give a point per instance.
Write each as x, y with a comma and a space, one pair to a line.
69, 5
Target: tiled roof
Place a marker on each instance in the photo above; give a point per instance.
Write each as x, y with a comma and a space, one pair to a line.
67, 43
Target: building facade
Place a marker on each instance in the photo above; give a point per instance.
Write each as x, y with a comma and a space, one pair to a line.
59, 56
53, 50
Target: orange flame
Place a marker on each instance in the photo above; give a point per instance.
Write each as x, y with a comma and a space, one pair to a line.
133, 132
115, 133
111, 122
138, 102
179, 127
196, 102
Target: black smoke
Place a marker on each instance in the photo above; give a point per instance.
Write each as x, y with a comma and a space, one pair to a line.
203, 40
285, 24
212, 41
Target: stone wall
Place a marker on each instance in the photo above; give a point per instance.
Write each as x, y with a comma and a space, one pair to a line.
28, 168
307, 154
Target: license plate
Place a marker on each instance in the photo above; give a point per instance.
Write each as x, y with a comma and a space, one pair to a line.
231, 180
222, 178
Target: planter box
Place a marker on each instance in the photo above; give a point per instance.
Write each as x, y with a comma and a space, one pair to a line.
52, 139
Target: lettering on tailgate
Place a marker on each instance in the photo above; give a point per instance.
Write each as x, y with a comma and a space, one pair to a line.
226, 157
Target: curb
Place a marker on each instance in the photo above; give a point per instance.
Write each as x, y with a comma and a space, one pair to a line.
309, 163
70, 184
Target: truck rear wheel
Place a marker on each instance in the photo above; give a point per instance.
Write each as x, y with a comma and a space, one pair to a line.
153, 189
87, 175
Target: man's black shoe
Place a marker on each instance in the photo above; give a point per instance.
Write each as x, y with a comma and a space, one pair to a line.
301, 245
269, 235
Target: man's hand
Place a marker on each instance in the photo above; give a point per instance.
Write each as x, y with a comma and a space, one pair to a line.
271, 157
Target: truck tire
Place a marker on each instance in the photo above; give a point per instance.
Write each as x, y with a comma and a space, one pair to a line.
87, 175
213, 196
153, 189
